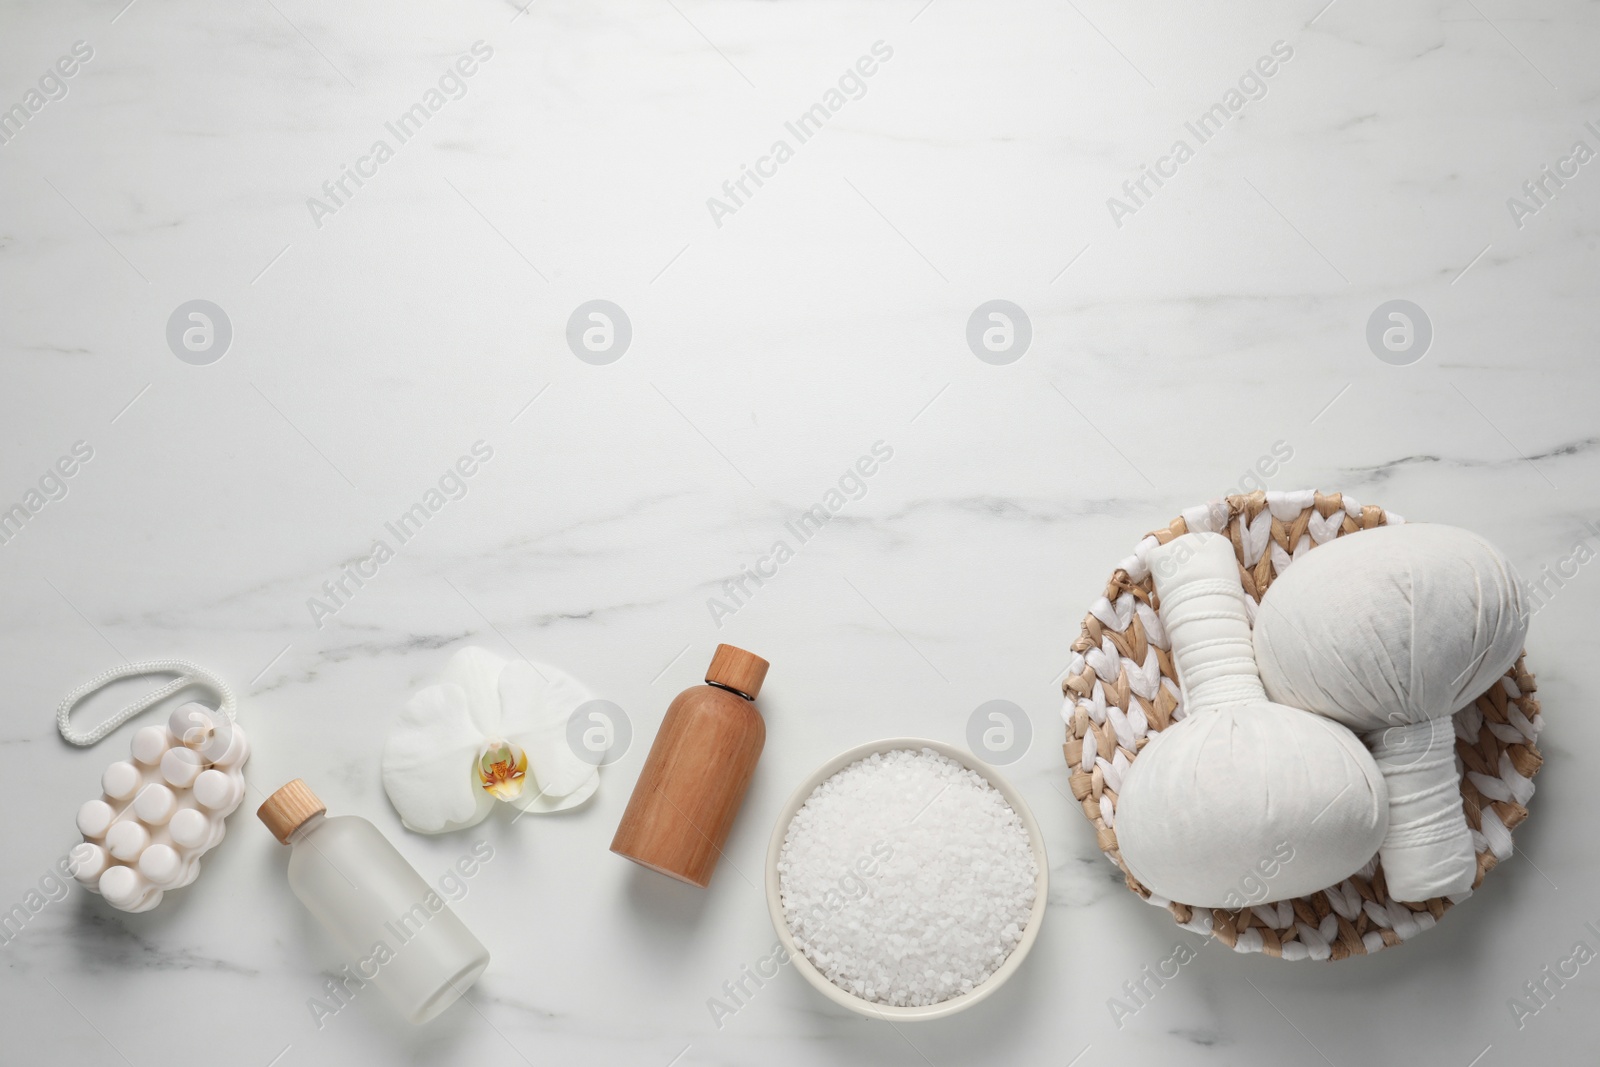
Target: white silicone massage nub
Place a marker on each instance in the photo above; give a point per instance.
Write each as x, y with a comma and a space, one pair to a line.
164, 806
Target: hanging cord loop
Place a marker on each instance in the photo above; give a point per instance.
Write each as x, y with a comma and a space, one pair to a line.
188, 675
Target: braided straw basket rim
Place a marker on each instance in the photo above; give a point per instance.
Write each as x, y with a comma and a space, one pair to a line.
1121, 687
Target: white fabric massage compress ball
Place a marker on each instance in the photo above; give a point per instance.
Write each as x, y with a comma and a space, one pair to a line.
1242, 801
1390, 631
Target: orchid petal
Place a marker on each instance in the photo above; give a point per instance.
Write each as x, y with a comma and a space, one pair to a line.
428, 762
538, 803
535, 704
477, 671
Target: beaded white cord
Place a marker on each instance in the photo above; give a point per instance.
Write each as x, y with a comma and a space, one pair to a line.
189, 674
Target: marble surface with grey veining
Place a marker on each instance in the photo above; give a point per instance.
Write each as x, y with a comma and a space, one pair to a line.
1186, 334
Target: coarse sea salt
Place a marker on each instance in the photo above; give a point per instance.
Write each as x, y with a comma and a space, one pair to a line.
906, 878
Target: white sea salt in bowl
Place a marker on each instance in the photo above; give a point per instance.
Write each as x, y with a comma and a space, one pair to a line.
855, 889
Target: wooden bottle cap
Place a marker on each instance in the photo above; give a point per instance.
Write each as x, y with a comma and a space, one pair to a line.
287, 810
734, 668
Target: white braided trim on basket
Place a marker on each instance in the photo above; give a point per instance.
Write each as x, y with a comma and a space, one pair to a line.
1145, 680
1315, 942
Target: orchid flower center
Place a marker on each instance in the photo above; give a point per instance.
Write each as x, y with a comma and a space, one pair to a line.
502, 769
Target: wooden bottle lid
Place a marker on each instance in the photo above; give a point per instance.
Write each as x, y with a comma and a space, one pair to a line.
287, 810
734, 668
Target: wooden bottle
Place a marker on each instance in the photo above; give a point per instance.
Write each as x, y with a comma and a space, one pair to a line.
695, 778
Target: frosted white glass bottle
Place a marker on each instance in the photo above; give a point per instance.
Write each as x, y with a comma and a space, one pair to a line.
399, 933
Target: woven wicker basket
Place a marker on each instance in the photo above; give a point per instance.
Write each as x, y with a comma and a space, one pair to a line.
1121, 687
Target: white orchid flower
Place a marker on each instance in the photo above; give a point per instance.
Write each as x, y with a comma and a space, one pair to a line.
490, 730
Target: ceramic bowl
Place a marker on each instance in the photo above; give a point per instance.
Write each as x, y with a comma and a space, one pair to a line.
889, 1012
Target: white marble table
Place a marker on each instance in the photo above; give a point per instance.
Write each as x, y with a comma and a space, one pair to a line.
1177, 337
